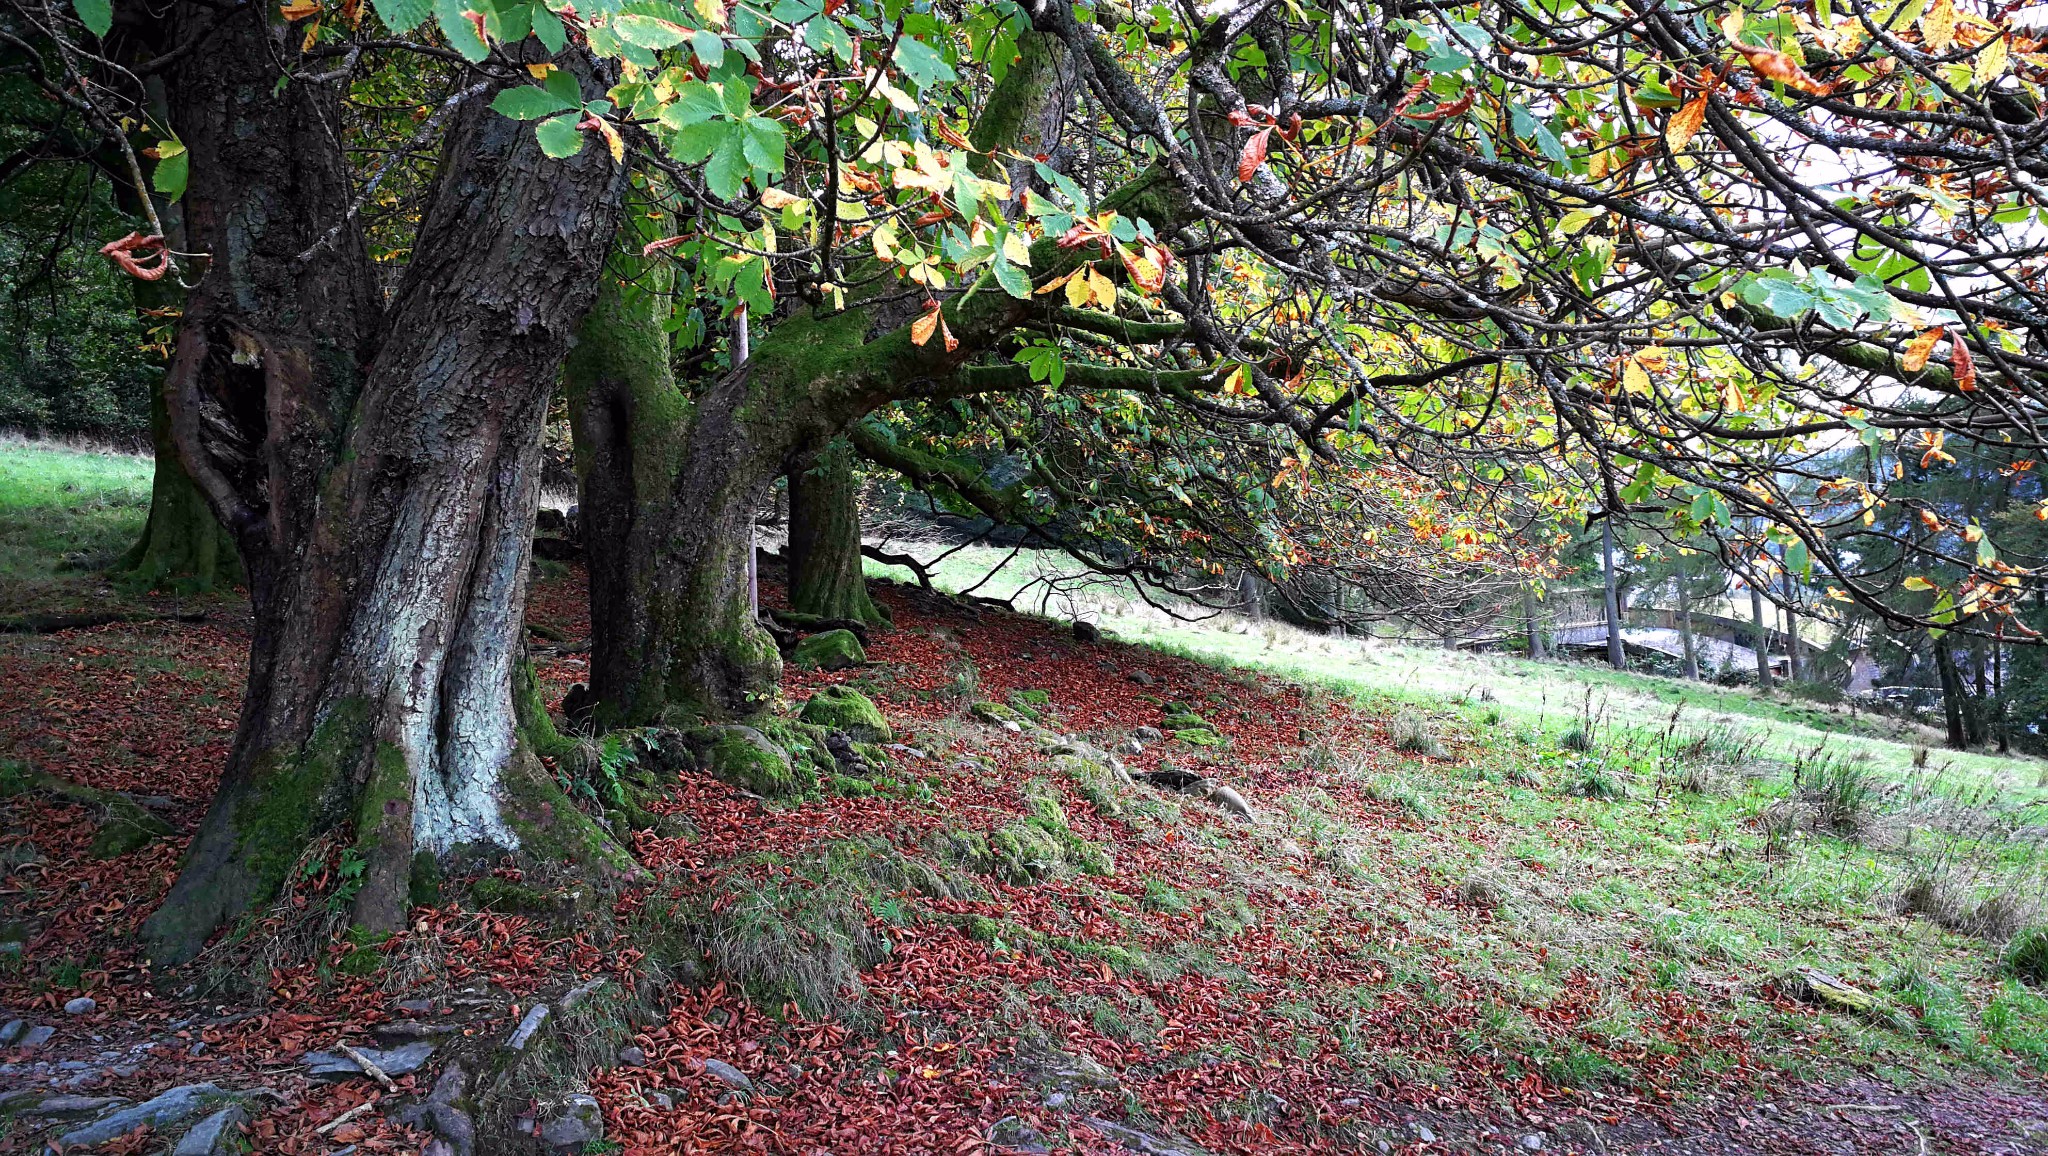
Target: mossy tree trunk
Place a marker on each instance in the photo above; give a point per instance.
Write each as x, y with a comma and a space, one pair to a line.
381, 470
183, 547
825, 576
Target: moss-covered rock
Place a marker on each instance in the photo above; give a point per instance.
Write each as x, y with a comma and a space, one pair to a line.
749, 760
502, 895
831, 650
1200, 737
845, 709
995, 714
1098, 782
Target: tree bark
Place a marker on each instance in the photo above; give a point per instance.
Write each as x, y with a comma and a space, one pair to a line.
183, 548
1794, 653
1685, 636
1532, 623
385, 511
1762, 637
1615, 657
1951, 697
825, 576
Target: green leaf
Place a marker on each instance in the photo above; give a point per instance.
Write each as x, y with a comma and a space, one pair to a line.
709, 47
1798, 559
547, 28
1016, 282
649, 31
171, 173
460, 32
564, 85
1776, 292
560, 138
96, 15
922, 63
693, 144
764, 145
727, 172
529, 103
402, 15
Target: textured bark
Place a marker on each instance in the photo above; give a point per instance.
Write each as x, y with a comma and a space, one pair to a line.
1761, 637
825, 576
1615, 656
1951, 696
383, 492
184, 547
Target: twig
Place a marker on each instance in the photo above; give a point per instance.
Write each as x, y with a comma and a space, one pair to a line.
369, 1069
352, 1113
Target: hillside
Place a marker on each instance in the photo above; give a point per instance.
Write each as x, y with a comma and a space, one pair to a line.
1442, 903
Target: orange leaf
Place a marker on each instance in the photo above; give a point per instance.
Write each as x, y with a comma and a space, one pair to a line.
946, 335
1771, 64
927, 323
1685, 124
299, 9
1918, 349
1965, 367
1254, 154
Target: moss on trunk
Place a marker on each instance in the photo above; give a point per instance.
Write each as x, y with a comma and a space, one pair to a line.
825, 576
183, 547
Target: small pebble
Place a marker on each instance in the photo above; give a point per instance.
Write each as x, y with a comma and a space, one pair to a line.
632, 1057
1533, 1142
82, 1006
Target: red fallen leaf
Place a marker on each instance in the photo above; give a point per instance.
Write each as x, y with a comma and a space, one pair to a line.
1965, 366
1254, 154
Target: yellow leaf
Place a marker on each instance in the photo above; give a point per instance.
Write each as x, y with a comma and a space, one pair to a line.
612, 140
713, 12
1078, 289
539, 71
1972, 532
1918, 349
312, 35
1991, 61
921, 330
1057, 282
1105, 289
1916, 582
774, 198
1017, 248
299, 9
1731, 23
1938, 26
1685, 124
1633, 377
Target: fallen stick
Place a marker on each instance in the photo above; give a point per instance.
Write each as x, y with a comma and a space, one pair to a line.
345, 1117
369, 1069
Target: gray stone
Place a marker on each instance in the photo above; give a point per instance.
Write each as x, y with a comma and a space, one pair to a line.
1142, 678
1423, 1134
213, 1136
661, 1100
172, 1107
390, 1061
75, 1107
523, 1034
416, 1007
1148, 734
730, 1076
454, 1132
632, 1057
1143, 1142
37, 1036
11, 1031
1015, 1134
1533, 1142
84, 1005
579, 1121
1058, 1099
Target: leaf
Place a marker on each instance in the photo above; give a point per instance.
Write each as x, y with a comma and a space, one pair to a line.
777, 199
1992, 60
922, 63
1938, 26
1078, 289
96, 15
1103, 288
1773, 65
1144, 269
559, 137
1253, 155
649, 31
173, 169
298, 10
1634, 379
1916, 582
1685, 124
726, 174
1014, 280
712, 12
1919, 349
547, 28
527, 102
1017, 248
402, 15
764, 144
460, 27
1960, 360
926, 325
612, 140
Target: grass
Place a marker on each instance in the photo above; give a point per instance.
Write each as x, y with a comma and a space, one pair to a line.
65, 516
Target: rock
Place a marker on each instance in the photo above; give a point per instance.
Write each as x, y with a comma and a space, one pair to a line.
1015, 1134
581, 992
830, 650
1148, 734
11, 1031
418, 1007
172, 1107
1423, 1133
1231, 802
438, 1113
843, 708
1086, 631
1058, 1099
75, 1107
1143, 1142
1130, 747
661, 1100
632, 1057
995, 713
405, 1031
1142, 678
730, 1076
745, 758
37, 1036
523, 1034
1533, 1142
392, 1061
84, 1005
576, 1123
1816, 986
217, 1135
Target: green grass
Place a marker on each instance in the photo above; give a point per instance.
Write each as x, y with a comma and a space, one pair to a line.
65, 516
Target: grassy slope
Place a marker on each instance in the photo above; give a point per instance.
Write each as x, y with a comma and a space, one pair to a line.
65, 515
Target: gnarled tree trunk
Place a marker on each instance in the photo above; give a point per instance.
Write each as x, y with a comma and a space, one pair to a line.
825, 575
385, 498
183, 546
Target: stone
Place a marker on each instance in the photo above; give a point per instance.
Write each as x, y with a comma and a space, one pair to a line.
745, 758
1130, 747
632, 1057
1423, 1133
217, 1135
391, 1061
1086, 631
454, 1133
11, 1031
1142, 1142
172, 1107
1231, 802
1142, 678
661, 1100
529, 1024
75, 1107
404, 1031
37, 1036
416, 1007
1148, 734
843, 708
1533, 1142
1819, 987
84, 1005
1015, 1134
995, 713
730, 1076
578, 1122
829, 650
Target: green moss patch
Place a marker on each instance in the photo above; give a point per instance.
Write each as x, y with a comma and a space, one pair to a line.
845, 709
831, 650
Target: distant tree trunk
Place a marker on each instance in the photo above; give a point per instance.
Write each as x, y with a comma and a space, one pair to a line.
825, 575
1951, 696
1251, 599
183, 547
1685, 638
1793, 650
1531, 623
385, 500
1762, 638
1615, 657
